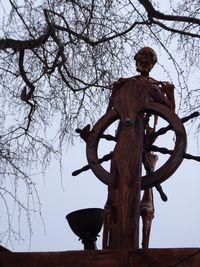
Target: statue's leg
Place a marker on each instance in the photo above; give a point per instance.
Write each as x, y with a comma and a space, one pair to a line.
147, 214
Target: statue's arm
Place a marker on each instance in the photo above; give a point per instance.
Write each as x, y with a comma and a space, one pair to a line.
169, 91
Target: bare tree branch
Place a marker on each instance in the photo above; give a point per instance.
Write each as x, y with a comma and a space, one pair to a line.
153, 13
173, 30
26, 44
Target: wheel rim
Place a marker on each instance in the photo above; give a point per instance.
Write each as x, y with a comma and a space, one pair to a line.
154, 178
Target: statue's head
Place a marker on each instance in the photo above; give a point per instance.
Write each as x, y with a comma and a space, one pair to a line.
145, 59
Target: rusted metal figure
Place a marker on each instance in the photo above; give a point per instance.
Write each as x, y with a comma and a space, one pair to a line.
133, 101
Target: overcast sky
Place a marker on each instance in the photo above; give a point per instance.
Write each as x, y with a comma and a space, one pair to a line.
176, 222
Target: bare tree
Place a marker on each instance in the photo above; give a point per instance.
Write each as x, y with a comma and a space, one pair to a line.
58, 60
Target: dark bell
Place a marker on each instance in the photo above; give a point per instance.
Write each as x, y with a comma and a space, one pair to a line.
86, 224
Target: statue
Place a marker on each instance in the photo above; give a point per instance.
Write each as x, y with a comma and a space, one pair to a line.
134, 101
161, 92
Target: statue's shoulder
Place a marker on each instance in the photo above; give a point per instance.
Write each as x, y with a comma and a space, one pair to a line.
121, 81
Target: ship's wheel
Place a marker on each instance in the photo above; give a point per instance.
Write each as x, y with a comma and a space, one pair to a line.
153, 178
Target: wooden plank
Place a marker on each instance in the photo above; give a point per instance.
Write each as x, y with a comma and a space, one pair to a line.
181, 257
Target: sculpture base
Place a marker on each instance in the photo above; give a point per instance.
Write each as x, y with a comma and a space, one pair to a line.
180, 257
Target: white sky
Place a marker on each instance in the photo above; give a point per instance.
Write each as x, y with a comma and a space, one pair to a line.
176, 222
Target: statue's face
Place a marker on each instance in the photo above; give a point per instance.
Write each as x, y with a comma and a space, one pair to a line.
145, 60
